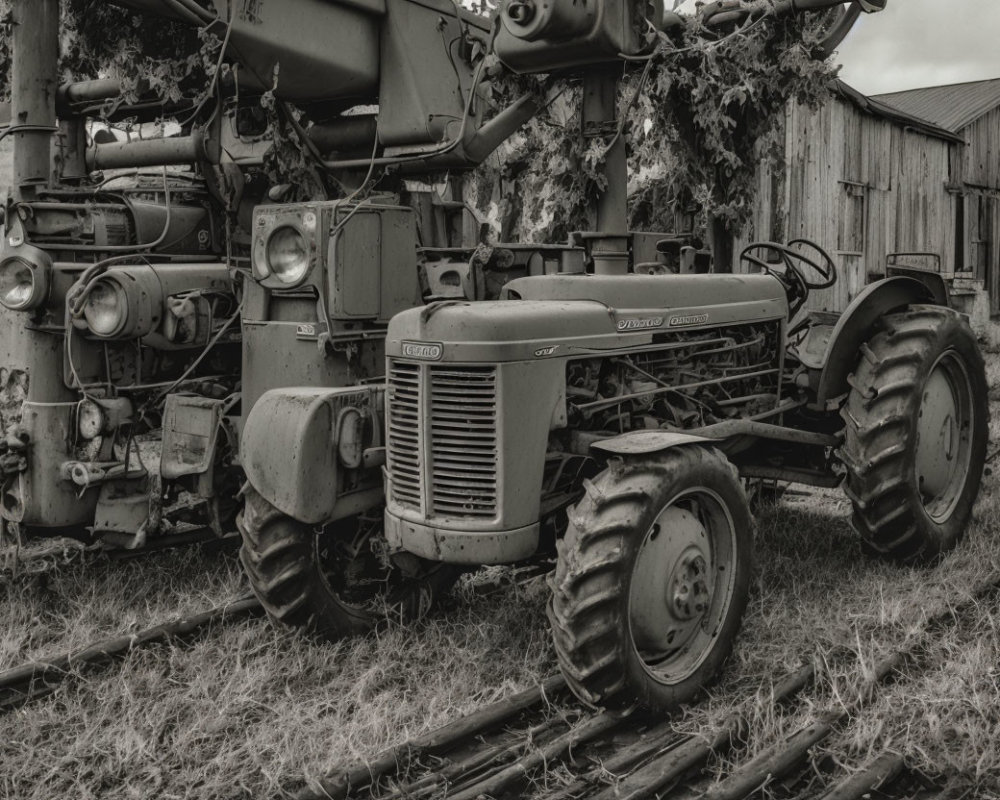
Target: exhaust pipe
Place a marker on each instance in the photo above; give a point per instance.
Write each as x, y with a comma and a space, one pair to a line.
34, 86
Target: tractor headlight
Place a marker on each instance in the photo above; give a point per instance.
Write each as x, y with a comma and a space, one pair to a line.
24, 284
106, 309
288, 254
17, 284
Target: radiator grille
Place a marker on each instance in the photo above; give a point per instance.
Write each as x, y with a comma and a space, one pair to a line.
454, 420
403, 452
464, 440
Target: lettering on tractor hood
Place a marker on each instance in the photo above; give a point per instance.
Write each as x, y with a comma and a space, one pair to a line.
639, 323
428, 351
691, 319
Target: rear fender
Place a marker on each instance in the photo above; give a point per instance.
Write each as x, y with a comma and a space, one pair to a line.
290, 449
647, 442
855, 326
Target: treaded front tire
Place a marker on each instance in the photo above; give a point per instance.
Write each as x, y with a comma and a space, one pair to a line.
916, 430
284, 562
624, 555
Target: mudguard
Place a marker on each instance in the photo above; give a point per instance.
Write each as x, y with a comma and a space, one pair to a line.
289, 448
854, 328
647, 442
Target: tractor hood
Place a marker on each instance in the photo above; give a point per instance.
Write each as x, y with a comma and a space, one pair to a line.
564, 315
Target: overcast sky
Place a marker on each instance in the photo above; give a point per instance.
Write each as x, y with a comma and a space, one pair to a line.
915, 43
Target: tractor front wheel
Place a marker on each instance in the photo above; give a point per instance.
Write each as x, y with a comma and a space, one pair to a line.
331, 583
916, 427
652, 579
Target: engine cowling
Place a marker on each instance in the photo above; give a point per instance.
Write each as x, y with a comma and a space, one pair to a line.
487, 402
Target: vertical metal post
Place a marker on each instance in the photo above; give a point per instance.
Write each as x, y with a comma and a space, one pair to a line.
34, 83
71, 159
609, 249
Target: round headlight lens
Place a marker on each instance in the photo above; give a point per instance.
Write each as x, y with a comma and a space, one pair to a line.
288, 255
17, 284
89, 419
107, 309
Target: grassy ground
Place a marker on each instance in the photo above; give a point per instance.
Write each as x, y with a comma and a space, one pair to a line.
249, 710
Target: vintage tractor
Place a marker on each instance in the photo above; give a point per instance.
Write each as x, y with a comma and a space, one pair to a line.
561, 399
119, 334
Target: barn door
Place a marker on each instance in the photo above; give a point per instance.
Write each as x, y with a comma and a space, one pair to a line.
983, 226
989, 232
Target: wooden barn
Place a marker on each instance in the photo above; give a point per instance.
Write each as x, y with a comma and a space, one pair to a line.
914, 172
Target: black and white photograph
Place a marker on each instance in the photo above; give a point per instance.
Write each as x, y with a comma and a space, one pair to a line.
499, 400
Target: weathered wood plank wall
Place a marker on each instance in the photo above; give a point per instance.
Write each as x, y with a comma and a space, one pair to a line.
862, 187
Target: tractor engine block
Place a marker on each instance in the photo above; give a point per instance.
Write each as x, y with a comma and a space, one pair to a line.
686, 380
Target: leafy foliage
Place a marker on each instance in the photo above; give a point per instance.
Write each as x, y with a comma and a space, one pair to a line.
700, 118
145, 55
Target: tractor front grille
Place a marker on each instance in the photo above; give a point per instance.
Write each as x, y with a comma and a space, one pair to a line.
442, 439
403, 435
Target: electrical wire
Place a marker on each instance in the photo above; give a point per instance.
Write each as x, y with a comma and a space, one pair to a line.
11, 129
68, 344
449, 146
623, 117
120, 248
208, 347
183, 12
215, 78
661, 49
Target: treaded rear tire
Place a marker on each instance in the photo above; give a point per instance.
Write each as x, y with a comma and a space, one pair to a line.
283, 562
881, 417
589, 609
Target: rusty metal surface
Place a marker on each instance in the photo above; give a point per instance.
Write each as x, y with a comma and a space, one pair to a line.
190, 435
289, 447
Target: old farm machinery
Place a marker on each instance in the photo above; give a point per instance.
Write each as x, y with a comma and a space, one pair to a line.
413, 402
579, 406
119, 328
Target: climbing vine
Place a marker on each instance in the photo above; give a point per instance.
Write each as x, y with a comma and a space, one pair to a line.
96, 39
700, 117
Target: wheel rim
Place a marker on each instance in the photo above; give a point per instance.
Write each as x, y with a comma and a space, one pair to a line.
682, 585
944, 436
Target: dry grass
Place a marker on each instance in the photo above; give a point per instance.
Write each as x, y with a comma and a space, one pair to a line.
248, 710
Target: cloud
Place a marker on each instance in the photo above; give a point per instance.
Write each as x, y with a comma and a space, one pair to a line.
916, 43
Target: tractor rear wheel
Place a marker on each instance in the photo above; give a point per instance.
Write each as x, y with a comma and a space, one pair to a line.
652, 579
916, 427
331, 583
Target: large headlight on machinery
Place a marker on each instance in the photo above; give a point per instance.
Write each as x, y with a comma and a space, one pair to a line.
124, 303
106, 309
286, 243
24, 278
288, 255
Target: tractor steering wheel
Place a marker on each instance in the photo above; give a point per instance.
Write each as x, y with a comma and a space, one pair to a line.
793, 277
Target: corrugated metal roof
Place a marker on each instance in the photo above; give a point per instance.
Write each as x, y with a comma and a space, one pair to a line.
952, 107
892, 113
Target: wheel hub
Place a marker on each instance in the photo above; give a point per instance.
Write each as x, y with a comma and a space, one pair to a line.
943, 436
688, 591
682, 584
671, 584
